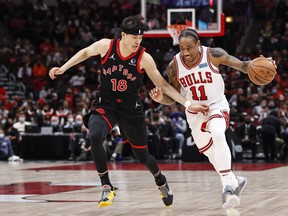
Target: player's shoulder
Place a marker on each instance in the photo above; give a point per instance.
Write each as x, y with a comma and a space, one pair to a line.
104, 42
146, 57
102, 46
217, 52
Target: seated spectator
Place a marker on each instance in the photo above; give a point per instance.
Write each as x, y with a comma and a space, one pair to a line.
13, 134
21, 123
180, 127
247, 133
270, 130
55, 124
167, 137
113, 144
78, 124
55, 103
79, 145
6, 150
69, 125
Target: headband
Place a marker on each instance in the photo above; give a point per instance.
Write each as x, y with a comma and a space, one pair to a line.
133, 31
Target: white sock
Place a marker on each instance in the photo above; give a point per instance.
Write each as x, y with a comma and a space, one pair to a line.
229, 179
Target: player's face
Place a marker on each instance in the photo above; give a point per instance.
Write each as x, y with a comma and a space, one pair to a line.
189, 49
132, 42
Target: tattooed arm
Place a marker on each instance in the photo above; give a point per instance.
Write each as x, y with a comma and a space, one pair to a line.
219, 56
157, 93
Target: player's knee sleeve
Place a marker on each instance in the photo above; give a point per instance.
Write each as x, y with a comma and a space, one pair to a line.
98, 130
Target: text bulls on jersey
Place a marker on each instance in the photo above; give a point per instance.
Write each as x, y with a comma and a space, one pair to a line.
196, 78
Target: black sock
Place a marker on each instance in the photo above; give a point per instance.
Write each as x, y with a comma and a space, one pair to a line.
104, 177
160, 179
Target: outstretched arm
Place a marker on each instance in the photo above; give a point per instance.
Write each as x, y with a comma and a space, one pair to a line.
147, 63
97, 48
164, 92
157, 94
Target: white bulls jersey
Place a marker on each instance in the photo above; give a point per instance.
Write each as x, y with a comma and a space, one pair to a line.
202, 82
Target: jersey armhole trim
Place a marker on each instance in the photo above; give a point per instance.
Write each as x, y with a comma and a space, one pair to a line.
108, 52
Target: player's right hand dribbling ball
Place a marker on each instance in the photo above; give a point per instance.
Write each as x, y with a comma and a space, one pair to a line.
262, 70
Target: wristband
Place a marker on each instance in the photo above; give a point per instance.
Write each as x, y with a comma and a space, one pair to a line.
187, 103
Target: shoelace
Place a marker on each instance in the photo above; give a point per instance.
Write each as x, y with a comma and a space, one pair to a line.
105, 193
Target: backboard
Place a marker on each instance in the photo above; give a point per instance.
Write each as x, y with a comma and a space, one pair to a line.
205, 16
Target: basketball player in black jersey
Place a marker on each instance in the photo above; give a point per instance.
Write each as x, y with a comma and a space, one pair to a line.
124, 63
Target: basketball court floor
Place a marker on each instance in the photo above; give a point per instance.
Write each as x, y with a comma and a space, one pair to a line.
45, 188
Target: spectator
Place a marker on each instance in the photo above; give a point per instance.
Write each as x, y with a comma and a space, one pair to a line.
180, 127
113, 144
55, 124
55, 102
21, 123
247, 133
39, 69
271, 129
6, 150
79, 145
167, 137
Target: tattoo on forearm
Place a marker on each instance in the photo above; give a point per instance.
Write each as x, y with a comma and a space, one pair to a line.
245, 65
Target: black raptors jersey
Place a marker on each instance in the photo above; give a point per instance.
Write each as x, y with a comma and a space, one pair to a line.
121, 78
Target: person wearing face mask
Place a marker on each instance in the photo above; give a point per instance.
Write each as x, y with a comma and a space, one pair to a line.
78, 124
69, 124
6, 150
247, 132
21, 123
79, 145
13, 134
55, 124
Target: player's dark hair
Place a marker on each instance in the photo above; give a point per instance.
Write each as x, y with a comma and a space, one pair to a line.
134, 25
189, 32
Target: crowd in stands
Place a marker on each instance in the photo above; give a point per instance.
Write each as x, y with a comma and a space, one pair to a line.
41, 36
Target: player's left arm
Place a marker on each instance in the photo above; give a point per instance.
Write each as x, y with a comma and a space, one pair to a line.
148, 64
219, 56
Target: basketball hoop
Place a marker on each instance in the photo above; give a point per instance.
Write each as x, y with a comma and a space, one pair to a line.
174, 30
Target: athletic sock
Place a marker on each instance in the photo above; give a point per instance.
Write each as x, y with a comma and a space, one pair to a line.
160, 179
229, 178
104, 177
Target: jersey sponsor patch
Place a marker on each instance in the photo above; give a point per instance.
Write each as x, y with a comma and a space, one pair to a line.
203, 65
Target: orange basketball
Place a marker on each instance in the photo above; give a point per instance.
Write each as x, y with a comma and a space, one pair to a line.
262, 71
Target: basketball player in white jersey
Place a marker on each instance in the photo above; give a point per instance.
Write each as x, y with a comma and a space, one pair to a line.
194, 72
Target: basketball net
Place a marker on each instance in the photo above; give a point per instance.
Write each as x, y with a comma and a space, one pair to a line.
174, 30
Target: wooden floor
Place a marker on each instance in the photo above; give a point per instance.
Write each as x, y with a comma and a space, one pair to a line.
44, 188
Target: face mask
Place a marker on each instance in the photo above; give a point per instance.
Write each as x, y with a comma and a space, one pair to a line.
21, 119
54, 124
70, 120
1, 136
78, 122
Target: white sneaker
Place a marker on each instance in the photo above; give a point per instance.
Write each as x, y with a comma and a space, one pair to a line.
14, 158
241, 185
229, 199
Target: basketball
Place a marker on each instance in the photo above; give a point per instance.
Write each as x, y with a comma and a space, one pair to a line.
262, 71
